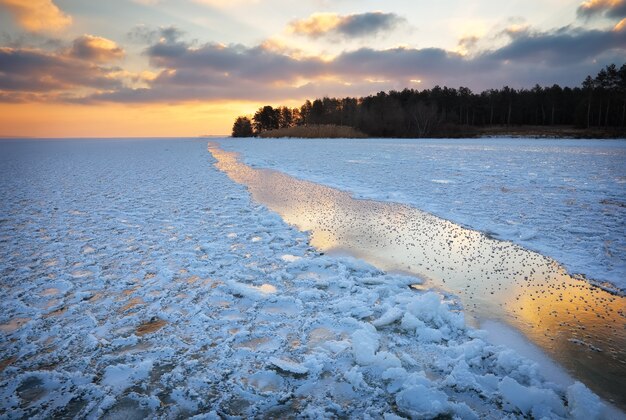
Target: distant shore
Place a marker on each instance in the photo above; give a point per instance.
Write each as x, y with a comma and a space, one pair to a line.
328, 131
526, 131
551, 132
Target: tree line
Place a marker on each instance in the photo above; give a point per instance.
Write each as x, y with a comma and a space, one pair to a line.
441, 111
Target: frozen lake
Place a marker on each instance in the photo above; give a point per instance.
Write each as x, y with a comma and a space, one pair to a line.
137, 280
563, 198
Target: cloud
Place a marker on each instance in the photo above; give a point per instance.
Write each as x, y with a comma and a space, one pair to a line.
95, 48
29, 74
608, 8
187, 71
468, 43
143, 34
348, 26
216, 71
37, 15
515, 30
39, 71
563, 46
404, 63
30, 39
212, 60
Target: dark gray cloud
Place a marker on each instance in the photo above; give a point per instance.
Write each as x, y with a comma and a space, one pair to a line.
233, 61
348, 26
608, 8
405, 63
36, 71
30, 40
563, 46
36, 74
368, 24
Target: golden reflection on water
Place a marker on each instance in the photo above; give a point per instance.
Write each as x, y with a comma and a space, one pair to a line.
578, 324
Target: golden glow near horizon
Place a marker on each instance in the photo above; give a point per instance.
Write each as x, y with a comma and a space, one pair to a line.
119, 120
189, 67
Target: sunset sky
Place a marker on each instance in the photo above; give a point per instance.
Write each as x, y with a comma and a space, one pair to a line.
126, 68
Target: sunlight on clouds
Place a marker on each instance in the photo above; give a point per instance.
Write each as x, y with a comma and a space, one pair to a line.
37, 15
147, 75
315, 25
96, 48
479, 35
467, 44
517, 28
621, 26
356, 25
372, 80
282, 46
469, 33
297, 51
594, 6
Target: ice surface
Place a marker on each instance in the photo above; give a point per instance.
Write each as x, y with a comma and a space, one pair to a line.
563, 198
120, 377
288, 366
242, 331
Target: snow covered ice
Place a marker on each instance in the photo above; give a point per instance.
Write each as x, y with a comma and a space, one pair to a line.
139, 281
562, 198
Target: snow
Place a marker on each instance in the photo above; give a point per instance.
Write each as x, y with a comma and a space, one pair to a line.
389, 317
120, 377
242, 330
540, 403
364, 346
562, 198
584, 404
421, 401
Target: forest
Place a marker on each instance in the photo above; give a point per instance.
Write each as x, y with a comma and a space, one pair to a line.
599, 102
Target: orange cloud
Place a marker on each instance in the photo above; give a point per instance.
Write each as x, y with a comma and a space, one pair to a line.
608, 8
599, 4
90, 47
315, 25
37, 15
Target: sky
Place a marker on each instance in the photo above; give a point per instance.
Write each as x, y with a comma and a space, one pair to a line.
167, 68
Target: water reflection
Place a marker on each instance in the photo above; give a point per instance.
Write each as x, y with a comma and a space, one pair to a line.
578, 324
